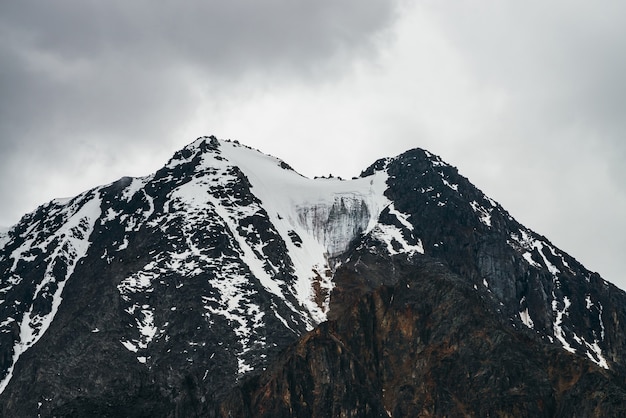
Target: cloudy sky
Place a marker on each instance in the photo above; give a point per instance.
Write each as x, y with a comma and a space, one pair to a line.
527, 99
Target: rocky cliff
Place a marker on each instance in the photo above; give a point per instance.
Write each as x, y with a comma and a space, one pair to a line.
423, 342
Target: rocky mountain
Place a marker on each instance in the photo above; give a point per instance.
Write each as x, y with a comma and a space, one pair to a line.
226, 284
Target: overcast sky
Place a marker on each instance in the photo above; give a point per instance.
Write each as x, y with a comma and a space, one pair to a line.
527, 99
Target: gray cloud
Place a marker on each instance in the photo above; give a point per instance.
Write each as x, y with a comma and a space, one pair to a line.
221, 37
561, 65
558, 143
86, 79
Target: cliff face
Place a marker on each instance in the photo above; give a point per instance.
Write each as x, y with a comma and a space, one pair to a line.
535, 282
226, 284
425, 343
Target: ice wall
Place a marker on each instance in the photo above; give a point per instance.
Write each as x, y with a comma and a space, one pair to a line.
335, 223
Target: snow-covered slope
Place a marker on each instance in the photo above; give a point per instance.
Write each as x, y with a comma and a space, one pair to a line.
256, 225
317, 218
59, 245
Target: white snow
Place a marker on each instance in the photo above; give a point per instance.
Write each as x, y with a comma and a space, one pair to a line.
524, 241
129, 346
4, 236
484, 215
403, 218
135, 185
525, 317
28, 244
316, 219
73, 245
558, 330
529, 259
123, 245
436, 160
528, 243
454, 187
325, 213
134, 286
335, 223
551, 267
110, 215
138, 282
391, 234
596, 357
601, 321
249, 256
594, 352
193, 206
145, 323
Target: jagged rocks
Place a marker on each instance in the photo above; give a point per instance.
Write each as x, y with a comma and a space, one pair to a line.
429, 345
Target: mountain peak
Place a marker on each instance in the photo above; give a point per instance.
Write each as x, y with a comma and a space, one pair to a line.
417, 157
198, 276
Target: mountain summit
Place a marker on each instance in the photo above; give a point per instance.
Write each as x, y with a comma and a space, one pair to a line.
227, 284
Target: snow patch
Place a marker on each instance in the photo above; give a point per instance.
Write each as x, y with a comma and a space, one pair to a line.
484, 215
529, 259
402, 217
559, 313
136, 184
110, 215
123, 245
525, 317
4, 236
130, 346
595, 354
393, 238
454, 187
524, 240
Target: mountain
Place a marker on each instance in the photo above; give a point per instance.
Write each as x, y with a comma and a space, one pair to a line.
227, 284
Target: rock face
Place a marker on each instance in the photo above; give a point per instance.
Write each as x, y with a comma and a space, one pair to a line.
425, 344
226, 284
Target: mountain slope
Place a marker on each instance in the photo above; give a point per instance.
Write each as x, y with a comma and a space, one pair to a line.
161, 295
424, 344
544, 287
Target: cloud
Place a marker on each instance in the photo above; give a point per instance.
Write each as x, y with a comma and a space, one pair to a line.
221, 38
85, 84
558, 136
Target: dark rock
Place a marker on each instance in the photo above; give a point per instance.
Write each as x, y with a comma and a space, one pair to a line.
428, 345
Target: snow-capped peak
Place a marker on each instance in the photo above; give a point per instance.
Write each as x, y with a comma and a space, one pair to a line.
317, 218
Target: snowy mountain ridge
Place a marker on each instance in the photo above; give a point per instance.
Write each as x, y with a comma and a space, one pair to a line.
316, 220
213, 264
